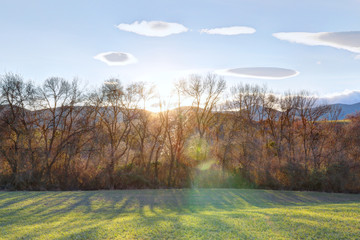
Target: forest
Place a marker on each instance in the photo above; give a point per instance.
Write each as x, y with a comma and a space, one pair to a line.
59, 136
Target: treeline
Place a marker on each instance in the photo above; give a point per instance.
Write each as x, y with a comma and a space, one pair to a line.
59, 137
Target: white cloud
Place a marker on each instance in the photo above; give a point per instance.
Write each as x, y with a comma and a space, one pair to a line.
153, 28
235, 30
357, 57
342, 40
259, 72
116, 58
345, 97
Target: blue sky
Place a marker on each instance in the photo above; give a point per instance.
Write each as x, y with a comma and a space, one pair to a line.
40, 39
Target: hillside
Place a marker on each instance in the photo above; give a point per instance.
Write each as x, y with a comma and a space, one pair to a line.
347, 109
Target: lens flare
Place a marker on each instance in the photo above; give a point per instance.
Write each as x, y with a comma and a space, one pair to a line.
197, 149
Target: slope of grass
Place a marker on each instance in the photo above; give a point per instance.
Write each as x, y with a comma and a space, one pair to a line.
179, 214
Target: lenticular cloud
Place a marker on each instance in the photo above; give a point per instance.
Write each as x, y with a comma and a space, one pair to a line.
116, 58
153, 28
235, 30
342, 40
260, 72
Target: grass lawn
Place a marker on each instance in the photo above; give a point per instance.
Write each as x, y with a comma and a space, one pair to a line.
179, 214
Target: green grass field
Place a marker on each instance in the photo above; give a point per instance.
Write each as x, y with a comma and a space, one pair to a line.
179, 214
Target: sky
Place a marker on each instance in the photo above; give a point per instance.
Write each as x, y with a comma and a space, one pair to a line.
285, 45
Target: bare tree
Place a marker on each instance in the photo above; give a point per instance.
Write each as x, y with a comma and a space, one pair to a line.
17, 141
57, 121
205, 93
115, 108
311, 131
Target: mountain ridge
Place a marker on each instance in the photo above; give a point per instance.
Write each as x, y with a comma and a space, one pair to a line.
347, 109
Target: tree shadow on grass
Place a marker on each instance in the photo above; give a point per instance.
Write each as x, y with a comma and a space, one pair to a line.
150, 207
178, 200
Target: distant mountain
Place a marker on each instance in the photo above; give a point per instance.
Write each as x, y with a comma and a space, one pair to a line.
347, 109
